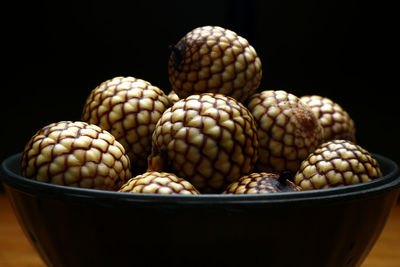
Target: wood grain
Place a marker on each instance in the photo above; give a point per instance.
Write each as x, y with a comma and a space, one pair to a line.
386, 252
16, 251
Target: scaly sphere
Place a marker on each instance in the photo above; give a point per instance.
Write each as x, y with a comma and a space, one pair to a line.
288, 130
159, 183
76, 154
337, 163
216, 60
336, 122
261, 183
208, 139
129, 109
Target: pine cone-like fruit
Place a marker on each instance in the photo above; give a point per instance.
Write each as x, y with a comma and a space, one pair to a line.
208, 139
216, 60
337, 163
76, 154
262, 183
288, 130
336, 122
129, 109
159, 183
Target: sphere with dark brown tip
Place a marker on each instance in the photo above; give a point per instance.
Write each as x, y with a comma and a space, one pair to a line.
336, 122
261, 183
337, 163
216, 60
288, 130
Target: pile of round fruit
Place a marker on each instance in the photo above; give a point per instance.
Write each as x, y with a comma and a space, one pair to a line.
215, 132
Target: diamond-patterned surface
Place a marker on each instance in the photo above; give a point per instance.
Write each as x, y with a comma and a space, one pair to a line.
337, 163
76, 154
216, 60
208, 139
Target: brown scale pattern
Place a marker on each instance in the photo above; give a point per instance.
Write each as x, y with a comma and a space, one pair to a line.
208, 139
336, 122
288, 131
159, 183
129, 109
216, 60
260, 183
337, 163
76, 154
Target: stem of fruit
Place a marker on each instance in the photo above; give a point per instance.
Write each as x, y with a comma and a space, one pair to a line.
155, 161
284, 176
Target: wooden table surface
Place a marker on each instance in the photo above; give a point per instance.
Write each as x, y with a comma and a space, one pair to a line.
15, 249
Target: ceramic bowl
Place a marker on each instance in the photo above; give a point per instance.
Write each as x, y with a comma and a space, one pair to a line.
83, 227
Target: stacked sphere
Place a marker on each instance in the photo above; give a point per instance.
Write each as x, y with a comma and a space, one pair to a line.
213, 133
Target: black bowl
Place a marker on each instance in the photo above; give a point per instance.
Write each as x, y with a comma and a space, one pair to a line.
83, 227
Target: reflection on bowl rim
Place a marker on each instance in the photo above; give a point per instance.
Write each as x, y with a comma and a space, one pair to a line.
389, 181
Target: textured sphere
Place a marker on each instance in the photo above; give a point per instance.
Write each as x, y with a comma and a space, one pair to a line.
336, 122
261, 183
288, 131
337, 163
129, 109
159, 183
76, 154
208, 139
217, 60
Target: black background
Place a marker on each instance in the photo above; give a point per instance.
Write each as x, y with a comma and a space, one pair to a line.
56, 53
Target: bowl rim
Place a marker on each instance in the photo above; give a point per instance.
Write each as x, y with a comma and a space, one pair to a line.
388, 182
